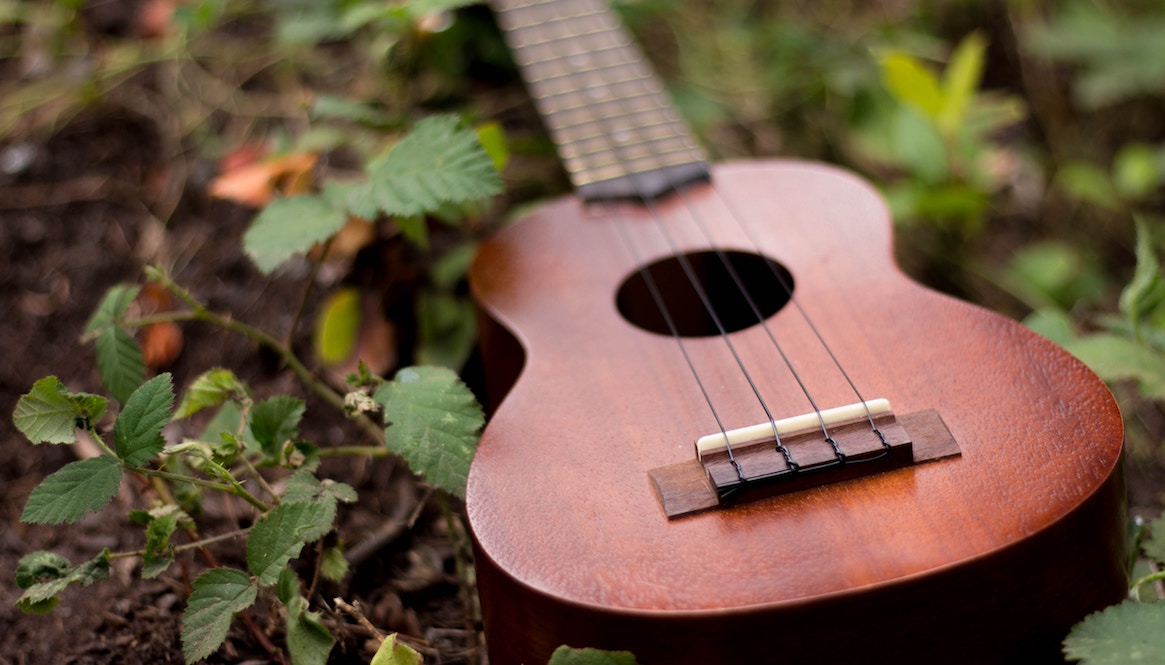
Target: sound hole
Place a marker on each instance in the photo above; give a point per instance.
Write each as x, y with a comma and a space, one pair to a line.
683, 303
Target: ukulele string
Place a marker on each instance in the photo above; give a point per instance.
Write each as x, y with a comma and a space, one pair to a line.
733, 213
657, 297
649, 203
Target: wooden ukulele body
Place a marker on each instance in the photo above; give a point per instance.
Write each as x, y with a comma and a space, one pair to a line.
986, 557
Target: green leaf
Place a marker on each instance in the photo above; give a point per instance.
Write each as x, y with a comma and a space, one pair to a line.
275, 421
1126, 633
912, 84
1117, 358
1086, 182
159, 553
210, 389
446, 329
493, 141
287, 586
307, 639
77, 488
338, 326
291, 226
419, 8
49, 413
1147, 289
565, 655
392, 652
960, 81
278, 536
218, 594
120, 362
334, 565
1154, 545
137, 434
438, 162
112, 307
1136, 171
45, 575
40, 567
432, 420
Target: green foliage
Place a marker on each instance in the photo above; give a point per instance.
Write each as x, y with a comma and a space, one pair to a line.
49, 413
391, 652
209, 390
137, 434
291, 226
438, 163
1117, 47
217, 596
308, 639
275, 421
432, 420
44, 575
278, 536
565, 655
1125, 633
77, 488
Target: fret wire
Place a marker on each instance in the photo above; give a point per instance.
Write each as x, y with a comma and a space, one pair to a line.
657, 130
538, 23
564, 69
567, 59
638, 150
578, 35
613, 169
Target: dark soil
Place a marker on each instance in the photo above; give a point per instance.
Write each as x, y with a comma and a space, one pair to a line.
77, 220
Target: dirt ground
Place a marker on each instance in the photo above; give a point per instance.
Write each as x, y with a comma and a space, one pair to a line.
75, 219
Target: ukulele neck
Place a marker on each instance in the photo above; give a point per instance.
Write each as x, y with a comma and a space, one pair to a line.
608, 114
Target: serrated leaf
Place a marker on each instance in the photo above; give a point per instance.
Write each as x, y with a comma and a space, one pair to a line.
307, 639
120, 362
912, 84
290, 226
391, 652
432, 421
77, 488
40, 597
565, 655
275, 421
112, 307
1116, 358
439, 162
334, 565
159, 553
40, 566
137, 434
278, 536
47, 413
218, 594
209, 390
1126, 633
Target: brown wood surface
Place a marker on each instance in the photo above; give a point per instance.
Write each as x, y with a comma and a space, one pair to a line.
990, 556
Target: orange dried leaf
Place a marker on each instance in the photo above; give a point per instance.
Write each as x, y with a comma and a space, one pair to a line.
254, 183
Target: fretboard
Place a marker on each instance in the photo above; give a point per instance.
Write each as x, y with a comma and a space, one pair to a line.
607, 112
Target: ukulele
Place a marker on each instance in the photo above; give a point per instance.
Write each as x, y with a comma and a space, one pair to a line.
733, 431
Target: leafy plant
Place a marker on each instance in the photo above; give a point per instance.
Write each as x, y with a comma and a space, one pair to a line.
429, 418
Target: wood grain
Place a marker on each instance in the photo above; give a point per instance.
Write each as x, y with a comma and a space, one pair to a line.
976, 559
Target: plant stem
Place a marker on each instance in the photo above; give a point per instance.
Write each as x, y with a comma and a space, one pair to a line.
311, 279
188, 546
198, 312
234, 488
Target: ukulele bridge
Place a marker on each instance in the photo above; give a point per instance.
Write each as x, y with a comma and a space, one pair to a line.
799, 453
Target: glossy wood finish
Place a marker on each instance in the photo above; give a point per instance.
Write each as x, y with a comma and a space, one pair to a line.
986, 557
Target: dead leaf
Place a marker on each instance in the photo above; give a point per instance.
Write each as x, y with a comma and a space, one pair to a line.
248, 179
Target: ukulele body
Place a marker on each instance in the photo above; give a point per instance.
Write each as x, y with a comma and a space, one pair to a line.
989, 556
